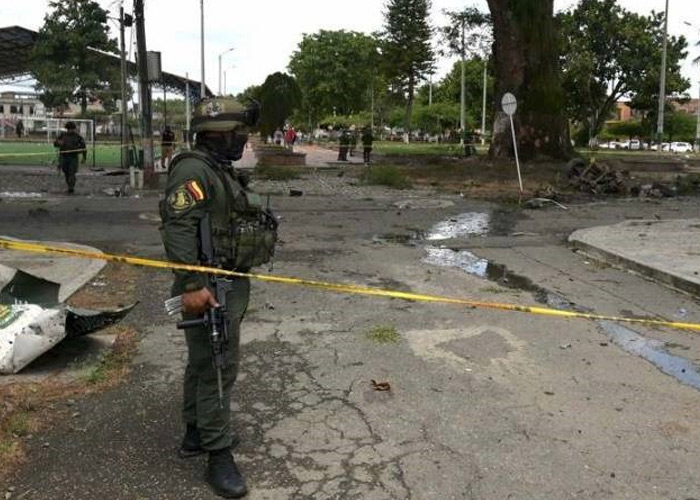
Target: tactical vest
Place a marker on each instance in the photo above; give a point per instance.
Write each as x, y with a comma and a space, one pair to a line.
243, 230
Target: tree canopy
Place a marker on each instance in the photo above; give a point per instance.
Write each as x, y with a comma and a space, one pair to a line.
407, 49
279, 97
609, 53
64, 58
335, 71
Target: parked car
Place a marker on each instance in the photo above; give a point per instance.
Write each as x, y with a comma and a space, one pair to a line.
681, 147
634, 145
664, 147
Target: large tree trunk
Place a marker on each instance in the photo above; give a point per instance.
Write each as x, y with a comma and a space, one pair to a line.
525, 53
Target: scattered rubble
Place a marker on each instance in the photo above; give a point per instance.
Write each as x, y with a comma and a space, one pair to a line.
597, 178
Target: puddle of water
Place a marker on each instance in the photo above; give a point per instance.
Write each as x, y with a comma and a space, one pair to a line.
409, 239
468, 224
652, 350
20, 195
466, 261
476, 266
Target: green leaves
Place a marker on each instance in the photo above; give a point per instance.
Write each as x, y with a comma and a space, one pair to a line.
609, 53
64, 59
335, 71
279, 97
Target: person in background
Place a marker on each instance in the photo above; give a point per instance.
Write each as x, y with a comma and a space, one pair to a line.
70, 145
367, 140
167, 145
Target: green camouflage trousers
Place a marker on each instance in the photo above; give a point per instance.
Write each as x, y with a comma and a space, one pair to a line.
201, 393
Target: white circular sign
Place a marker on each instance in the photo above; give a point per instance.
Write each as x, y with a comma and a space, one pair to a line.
509, 104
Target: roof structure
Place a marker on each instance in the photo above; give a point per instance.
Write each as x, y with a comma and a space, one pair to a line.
16, 44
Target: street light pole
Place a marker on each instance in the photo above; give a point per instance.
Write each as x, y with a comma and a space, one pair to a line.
697, 128
483, 107
204, 85
463, 102
123, 125
220, 56
662, 83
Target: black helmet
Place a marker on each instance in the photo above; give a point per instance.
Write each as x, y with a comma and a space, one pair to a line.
70, 126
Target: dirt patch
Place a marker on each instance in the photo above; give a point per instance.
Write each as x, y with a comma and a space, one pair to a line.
115, 286
26, 409
29, 407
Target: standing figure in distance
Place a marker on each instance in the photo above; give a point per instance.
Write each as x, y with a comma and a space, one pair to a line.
70, 144
167, 144
367, 140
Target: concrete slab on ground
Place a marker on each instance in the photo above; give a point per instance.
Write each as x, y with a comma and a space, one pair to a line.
70, 273
667, 251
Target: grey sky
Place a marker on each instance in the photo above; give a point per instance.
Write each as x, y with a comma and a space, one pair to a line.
265, 33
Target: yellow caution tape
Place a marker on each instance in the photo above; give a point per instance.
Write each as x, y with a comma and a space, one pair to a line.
335, 287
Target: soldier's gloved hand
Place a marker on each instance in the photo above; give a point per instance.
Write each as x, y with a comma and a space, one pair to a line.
198, 302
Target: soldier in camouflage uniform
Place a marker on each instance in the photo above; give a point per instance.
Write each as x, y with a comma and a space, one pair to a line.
70, 145
203, 183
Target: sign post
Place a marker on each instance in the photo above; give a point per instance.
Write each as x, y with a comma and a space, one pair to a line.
510, 105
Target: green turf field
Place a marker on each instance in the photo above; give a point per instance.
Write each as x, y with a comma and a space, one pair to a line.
106, 155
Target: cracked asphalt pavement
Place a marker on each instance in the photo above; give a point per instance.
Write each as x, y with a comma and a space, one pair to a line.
483, 404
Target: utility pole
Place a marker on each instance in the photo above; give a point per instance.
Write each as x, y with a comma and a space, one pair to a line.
462, 99
123, 140
149, 174
220, 56
430, 91
204, 85
187, 109
483, 107
697, 128
662, 84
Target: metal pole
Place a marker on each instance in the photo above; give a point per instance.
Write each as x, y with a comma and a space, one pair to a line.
662, 84
697, 128
462, 104
149, 174
430, 91
122, 139
220, 73
372, 105
483, 107
187, 110
203, 91
515, 148
165, 106
225, 85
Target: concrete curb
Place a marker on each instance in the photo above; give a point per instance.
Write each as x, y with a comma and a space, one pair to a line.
593, 243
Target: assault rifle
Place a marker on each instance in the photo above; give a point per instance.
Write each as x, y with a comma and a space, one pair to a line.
215, 320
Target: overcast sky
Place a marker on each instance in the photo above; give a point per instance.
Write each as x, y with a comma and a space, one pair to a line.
264, 33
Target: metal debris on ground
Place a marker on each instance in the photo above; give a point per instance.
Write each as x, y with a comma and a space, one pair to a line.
597, 178
542, 202
380, 386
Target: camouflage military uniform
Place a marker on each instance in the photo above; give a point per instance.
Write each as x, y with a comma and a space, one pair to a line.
70, 145
195, 188
202, 185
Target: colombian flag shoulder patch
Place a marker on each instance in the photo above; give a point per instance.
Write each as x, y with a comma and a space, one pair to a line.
195, 190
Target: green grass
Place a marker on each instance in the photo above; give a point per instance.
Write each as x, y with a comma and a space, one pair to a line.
18, 424
277, 173
107, 155
383, 334
420, 148
389, 176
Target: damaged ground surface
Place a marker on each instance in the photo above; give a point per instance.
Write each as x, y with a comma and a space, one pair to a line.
482, 404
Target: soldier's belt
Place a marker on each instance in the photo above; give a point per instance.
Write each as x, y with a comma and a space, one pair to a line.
335, 287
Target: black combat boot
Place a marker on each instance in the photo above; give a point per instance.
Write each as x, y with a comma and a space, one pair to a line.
223, 475
191, 444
